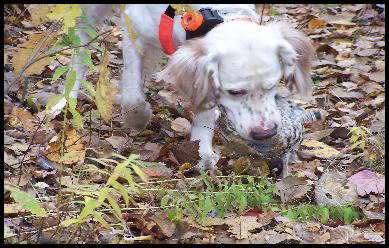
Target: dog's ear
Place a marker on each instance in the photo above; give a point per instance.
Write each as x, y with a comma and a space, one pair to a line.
194, 72
296, 52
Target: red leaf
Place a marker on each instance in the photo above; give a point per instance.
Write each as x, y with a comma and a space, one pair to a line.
367, 182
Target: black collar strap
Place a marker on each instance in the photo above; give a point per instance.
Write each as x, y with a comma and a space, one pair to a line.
211, 19
170, 12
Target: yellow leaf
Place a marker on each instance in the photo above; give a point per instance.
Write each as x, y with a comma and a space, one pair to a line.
22, 54
316, 23
105, 91
75, 148
319, 149
69, 13
13, 209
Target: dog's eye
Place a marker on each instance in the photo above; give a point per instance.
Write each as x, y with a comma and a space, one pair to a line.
237, 92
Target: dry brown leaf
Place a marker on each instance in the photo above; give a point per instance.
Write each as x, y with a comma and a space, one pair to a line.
187, 151
116, 141
158, 170
105, 90
38, 13
181, 125
73, 144
166, 226
240, 226
343, 23
13, 208
22, 54
291, 188
20, 116
332, 189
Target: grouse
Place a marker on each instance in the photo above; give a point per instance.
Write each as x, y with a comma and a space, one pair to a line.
278, 149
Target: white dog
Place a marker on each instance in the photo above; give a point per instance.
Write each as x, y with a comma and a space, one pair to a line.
237, 64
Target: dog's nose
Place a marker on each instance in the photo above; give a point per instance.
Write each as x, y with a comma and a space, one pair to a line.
259, 133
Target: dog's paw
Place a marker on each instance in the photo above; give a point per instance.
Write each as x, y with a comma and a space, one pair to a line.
138, 116
208, 161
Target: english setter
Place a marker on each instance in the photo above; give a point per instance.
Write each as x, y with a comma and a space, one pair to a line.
237, 64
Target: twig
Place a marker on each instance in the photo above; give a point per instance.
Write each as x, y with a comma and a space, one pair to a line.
263, 9
29, 145
35, 53
53, 53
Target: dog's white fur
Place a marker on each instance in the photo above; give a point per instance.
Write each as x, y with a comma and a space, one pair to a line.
236, 65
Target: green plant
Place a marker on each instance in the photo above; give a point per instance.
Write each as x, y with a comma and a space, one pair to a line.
309, 212
242, 194
26, 201
104, 197
239, 195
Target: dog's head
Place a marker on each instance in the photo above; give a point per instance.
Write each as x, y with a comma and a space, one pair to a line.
238, 65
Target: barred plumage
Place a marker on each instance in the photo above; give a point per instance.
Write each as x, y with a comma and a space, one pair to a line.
287, 140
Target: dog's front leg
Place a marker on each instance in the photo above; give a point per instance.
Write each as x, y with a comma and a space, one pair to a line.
202, 130
135, 109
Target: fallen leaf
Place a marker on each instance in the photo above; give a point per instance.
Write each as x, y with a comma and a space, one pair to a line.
165, 225
367, 52
116, 141
20, 116
74, 152
333, 189
344, 94
187, 151
343, 23
376, 102
105, 90
181, 125
291, 188
318, 149
41, 185
368, 182
13, 208
240, 226
38, 13
378, 76
308, 231
316, 23
18, 148
69, 13
374, 237
10, 159
13, 181
24, 51
158, 170
341, 235
270, 237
